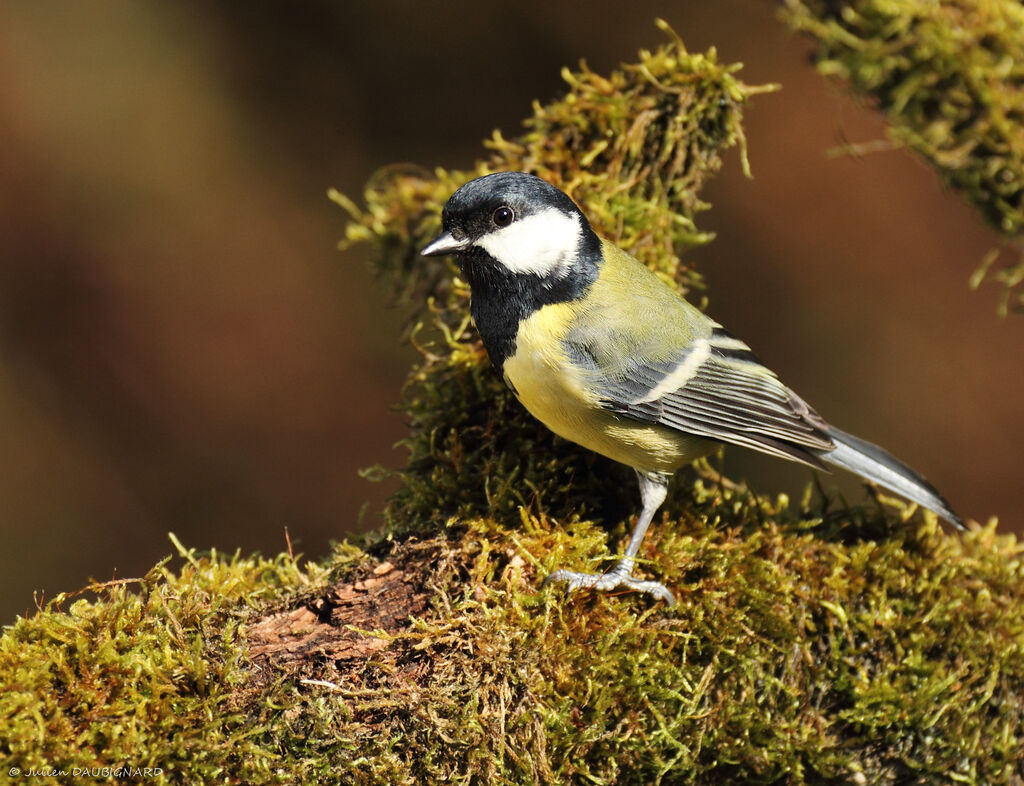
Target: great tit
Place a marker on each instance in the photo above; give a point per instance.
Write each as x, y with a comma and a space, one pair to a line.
607, 355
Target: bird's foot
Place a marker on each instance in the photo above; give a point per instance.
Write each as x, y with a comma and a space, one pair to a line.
617, 578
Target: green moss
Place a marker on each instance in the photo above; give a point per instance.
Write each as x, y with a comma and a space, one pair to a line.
790, 658
634, 149
141, 677
948, 77
812, 643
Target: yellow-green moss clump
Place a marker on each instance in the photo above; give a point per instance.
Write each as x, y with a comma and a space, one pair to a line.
811, 644
141, 678
634, 149
790, 659
949, 77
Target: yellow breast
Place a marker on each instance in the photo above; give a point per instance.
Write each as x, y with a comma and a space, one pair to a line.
556, 392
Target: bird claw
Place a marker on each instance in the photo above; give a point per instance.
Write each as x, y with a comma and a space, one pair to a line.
614, 579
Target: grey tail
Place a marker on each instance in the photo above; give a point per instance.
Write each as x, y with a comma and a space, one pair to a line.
874, 464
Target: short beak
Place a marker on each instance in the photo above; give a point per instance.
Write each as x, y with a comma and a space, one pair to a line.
444, 244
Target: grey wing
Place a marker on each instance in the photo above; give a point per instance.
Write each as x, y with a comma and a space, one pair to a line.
715, 388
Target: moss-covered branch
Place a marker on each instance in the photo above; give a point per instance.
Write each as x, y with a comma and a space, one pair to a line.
634, 148
814, 643
949, 78
791, 658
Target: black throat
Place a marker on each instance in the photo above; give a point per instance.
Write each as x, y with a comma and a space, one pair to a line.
502, 299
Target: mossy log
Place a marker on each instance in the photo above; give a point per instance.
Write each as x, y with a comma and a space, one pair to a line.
791, 657
813, 642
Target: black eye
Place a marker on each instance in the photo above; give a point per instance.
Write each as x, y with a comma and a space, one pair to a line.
503, 216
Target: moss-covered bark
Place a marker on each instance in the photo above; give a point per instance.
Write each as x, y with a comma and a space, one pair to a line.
813, 643
792, 657
949, 77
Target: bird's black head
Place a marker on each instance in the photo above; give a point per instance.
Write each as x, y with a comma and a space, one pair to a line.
521, 244
521, 222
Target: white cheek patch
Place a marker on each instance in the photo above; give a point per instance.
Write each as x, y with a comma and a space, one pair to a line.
545, 243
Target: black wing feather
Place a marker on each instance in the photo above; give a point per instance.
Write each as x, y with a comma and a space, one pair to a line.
731, 397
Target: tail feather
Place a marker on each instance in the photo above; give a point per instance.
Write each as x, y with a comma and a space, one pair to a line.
871, 462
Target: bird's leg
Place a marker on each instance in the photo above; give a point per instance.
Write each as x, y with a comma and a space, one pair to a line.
653, 489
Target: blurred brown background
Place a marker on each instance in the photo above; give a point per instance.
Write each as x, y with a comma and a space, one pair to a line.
183, 349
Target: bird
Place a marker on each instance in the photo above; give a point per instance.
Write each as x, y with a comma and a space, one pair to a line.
607, 355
